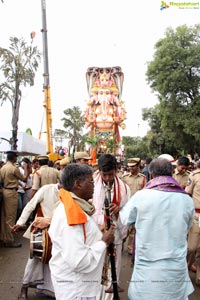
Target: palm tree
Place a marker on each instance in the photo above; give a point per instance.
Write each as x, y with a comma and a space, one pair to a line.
18, 65
74, 124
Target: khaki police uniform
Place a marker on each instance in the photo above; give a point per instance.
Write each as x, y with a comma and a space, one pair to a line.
63, 163
193, 188
135, 182
10, 175
45, 175
181, 178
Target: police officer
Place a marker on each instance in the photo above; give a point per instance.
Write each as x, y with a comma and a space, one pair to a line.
82, 158
136, 181
193, 189
10, 174
181, 173
44, 175
64, 162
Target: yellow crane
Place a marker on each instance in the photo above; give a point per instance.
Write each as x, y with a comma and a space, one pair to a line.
46, 85
46, 89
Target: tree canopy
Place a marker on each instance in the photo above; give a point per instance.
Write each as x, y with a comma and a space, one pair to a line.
173, 75
18, 65
73, 123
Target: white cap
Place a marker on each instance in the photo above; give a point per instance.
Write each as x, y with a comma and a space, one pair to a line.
168, 157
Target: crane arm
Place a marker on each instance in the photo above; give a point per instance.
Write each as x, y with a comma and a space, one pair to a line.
46, 86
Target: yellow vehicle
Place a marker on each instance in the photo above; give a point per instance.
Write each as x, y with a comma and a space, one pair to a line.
46, 89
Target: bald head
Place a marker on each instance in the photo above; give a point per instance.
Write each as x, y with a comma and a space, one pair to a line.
160, 167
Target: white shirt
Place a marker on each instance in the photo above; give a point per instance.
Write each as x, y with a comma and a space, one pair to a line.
76, 264
47, 196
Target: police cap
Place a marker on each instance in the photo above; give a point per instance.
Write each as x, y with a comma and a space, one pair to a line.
41, 157
65, 161
133, 161
81, 155
14, 152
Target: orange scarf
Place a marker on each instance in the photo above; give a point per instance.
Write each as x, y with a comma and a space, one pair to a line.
74, 213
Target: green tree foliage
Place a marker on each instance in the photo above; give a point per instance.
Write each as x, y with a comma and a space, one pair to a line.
73, 123
157, 140
59, 135
174, 75
18, 65
135, 147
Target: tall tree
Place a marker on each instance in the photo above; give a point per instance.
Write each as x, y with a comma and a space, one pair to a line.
135, 147
74, 124
174, 75
18, 65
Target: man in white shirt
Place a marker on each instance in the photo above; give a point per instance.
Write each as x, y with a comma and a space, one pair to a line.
78, 246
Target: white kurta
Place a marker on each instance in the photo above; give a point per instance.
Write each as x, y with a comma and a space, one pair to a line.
162, 220
37, 273
47, 196
76, 264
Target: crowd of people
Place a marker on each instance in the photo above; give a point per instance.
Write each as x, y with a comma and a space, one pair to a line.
81, 211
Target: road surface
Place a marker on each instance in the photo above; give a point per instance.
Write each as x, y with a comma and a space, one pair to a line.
13, 261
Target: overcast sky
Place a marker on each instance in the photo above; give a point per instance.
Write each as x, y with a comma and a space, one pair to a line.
83, 34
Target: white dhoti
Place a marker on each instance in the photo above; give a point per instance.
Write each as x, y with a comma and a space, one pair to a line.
38, 275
